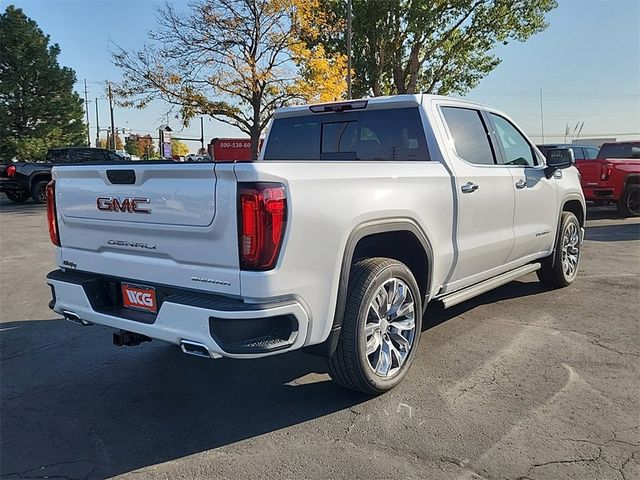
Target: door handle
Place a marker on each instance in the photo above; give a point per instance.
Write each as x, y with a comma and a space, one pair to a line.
521, 183
469, 187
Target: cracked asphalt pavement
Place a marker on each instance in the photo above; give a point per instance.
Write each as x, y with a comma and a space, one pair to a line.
520, 383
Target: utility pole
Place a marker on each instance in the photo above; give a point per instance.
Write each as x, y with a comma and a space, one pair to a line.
113, 128
202, 132
86, 109
541, 116
348, 49
97, 126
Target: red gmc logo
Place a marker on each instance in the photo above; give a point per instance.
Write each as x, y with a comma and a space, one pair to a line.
125, 205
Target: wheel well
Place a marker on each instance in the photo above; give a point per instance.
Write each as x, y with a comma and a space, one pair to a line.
632, 180
400, 245
575, 207
39, 178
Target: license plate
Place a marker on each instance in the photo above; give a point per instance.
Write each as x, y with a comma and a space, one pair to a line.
138, 297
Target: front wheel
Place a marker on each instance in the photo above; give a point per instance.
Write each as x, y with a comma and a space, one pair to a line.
561, 267
19, 196
380, 329
629, 203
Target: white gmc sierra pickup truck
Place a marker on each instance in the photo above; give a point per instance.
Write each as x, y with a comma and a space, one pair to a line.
356, 215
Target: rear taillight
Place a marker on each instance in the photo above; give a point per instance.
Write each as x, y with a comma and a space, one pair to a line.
10, 171
54, 234
262, 218
605, 170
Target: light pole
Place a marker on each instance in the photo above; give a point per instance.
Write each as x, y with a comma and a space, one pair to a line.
113, 128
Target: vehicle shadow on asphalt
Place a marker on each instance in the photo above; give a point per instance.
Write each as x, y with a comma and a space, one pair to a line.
613, 233
436, 314
84, 408
22, 208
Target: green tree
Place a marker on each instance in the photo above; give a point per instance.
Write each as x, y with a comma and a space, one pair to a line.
132, 146
432, 46
38, 106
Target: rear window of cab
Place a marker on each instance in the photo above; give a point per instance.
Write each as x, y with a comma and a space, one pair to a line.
374, 135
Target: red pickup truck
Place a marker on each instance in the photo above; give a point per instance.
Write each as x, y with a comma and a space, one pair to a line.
611, 175
614, 176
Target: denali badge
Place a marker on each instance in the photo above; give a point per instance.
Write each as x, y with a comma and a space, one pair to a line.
124, 243
126, 205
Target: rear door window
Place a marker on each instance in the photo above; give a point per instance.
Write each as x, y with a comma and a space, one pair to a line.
84, 155
470, 135
378, 135
58, 156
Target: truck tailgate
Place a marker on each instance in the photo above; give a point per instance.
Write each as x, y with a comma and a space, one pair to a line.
148, 222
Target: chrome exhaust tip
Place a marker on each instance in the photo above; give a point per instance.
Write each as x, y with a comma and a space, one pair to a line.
74, 318
195, 348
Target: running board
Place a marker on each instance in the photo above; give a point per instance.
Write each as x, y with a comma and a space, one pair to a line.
483, 287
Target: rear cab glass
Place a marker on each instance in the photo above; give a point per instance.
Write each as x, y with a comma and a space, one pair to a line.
620, 150
394, 134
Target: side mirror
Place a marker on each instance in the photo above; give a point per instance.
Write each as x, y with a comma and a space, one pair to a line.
558, 158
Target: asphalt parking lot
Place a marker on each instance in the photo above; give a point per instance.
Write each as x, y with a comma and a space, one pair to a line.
520, 383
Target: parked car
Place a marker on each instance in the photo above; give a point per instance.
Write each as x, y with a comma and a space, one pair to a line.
610, 174
580, 152
23, 180
356, 215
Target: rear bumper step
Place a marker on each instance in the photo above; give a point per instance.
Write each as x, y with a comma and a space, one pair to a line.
478, 289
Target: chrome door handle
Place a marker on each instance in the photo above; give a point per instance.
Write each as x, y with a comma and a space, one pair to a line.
521, 183
469, 187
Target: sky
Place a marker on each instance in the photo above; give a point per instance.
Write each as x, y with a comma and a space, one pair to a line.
587, 64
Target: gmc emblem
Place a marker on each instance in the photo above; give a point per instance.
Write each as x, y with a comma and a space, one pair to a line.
126, 205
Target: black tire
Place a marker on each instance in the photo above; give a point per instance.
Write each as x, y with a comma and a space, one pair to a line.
39, 191
18, 197
629, 203
350, 366
554, 269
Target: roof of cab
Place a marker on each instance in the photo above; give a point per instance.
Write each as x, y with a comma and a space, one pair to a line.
374, 103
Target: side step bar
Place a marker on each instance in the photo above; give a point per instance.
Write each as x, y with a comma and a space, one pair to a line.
478, 289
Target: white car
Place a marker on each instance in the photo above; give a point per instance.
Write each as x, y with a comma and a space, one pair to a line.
356, 215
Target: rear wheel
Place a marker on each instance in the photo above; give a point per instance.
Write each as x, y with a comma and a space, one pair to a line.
629, 203
20, 196
380, 329
39, 191
561, 267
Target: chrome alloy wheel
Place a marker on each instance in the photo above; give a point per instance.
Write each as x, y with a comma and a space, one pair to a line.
390, 328
570, 250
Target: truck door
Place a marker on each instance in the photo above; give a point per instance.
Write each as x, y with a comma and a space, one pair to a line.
485, 194
536, 201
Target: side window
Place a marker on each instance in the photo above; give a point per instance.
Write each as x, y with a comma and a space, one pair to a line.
57, 156
469, 135
82, 155
590, 153
516, 149
577, 153
113, 157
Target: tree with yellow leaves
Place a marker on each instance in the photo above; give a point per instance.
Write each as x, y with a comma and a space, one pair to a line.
235, 60
323, 74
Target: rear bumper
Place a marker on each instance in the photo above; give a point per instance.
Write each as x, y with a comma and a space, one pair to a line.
226, 327
10, 186
600, 193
